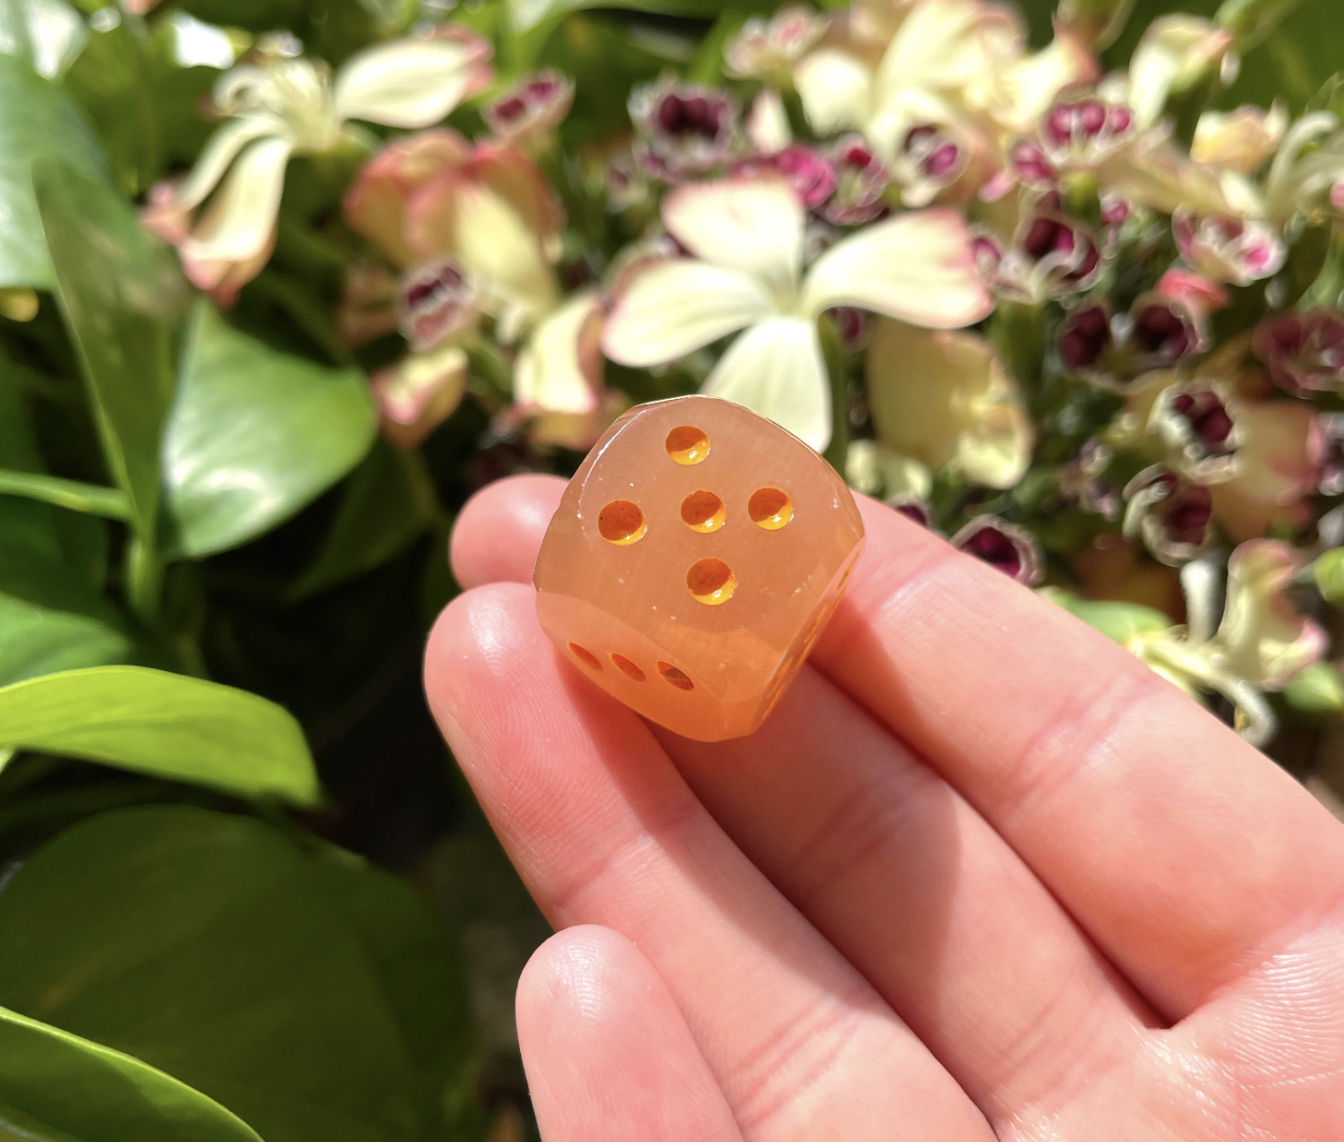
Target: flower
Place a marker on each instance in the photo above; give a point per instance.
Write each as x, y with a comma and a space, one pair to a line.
285, 106
1262, 642
958, 65
1011, 549
1172, 515
1242, 139
1156, 333
434, 195
1228, 249
531, 108
684, 129
746, 239
1174, 53
768, 49
945, 398
1304, 351
419, 393
477, 226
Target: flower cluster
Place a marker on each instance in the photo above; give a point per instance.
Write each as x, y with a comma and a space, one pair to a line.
1086, 323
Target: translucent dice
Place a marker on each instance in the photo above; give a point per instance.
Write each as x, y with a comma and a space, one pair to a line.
693, 561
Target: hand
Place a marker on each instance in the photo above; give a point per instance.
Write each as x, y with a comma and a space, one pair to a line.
982, 874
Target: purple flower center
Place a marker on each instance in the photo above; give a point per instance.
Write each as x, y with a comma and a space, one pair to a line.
997, 549
1161, 330
1208, 419
1085, 337
1188, 514
693, 116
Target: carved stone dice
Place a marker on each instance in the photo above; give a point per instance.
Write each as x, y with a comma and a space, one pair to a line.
693, 561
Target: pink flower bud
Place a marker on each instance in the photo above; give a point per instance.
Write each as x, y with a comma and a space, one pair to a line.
929, 160
1029, 162
1200, 295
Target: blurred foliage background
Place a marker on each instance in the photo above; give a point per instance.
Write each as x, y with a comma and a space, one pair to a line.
243, 891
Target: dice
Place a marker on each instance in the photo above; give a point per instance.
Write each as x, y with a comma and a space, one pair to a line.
693, 561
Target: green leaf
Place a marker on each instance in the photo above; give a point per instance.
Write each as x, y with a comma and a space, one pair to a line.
121, 290
58, 1087
389, 501
50, 125
165, 725
1116, 620
316, 998
254, 436
51, 618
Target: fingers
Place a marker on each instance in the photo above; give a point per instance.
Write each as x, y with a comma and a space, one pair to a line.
907, 880
608, 1055
899, 872
499, 531
604, 831
1182, 850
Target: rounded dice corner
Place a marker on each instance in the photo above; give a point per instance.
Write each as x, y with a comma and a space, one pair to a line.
694, 560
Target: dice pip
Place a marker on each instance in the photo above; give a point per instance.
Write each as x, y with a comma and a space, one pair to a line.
693, 561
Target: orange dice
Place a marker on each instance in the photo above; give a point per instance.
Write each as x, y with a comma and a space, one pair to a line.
693, 561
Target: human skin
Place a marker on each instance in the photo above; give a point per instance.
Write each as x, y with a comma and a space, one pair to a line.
980, 875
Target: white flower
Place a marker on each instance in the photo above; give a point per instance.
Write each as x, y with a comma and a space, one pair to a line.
286, 106
945, 398
746, 273
952, 63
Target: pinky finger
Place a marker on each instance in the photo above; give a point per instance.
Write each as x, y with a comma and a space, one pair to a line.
608, 1055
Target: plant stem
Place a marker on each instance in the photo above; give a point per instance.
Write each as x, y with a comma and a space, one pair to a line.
79, 497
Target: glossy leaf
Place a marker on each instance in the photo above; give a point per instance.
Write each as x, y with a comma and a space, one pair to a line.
51, 618
165, 725
57, 1087
121, 292
254, 436
389, 501
50, 125
318, 999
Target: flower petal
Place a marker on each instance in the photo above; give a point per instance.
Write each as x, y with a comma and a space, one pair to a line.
419, 392
1263, 638
456, 216
917, 267
1172, 51
377, 203
836, 90
240, 220
672, 308
938, 46
219, 153
944, 397
755, 225
776, 369
560, 368
409, 83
